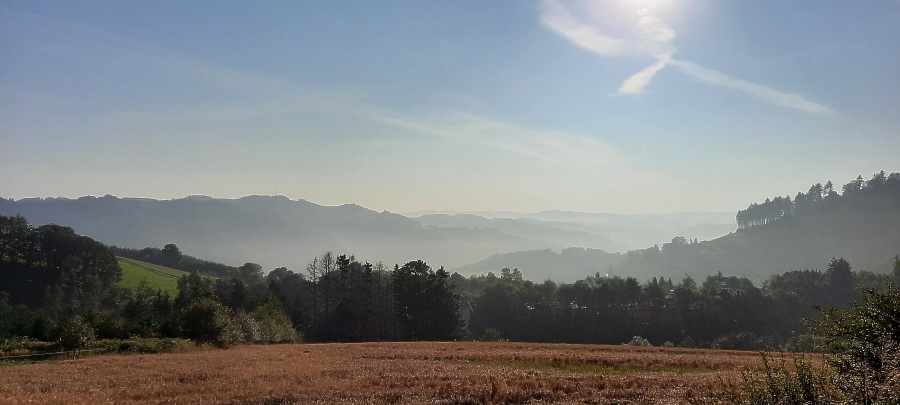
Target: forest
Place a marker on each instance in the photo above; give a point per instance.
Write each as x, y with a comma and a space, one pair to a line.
857, 194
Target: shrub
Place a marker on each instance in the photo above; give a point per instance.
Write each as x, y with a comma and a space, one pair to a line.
143, 345
74, 333
744, 341
864, 348
206, 321
865, 343
491, 335
639, 341
783, 384
274, 326
805, 343
239, 327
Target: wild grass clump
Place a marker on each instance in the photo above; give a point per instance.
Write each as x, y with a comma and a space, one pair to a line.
782, 383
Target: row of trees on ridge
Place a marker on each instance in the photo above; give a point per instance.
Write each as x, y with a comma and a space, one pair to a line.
819, 197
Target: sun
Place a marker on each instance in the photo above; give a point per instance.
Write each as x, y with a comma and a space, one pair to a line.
654, 6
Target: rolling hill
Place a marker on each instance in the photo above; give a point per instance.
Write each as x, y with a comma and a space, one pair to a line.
862, 225
271, 231
565, 265
610, 232
159, 277
554, 237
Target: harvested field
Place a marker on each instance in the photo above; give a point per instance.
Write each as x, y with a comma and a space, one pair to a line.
381, 373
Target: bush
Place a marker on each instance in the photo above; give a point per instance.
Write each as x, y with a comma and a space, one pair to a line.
865, 343
23, 345
109, 326
491, 335
744, 341
805, 343
864, 360
143, 345
207, 321
74, 333
274, 326
639, 341
782, 384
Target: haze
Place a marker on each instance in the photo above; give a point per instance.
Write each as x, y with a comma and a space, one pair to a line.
614, 106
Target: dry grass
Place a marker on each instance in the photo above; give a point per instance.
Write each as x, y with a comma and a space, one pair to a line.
380, 373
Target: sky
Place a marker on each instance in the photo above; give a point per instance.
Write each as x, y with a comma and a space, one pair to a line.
631, 106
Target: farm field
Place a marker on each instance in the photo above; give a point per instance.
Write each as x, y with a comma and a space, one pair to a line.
160, 277
381, 373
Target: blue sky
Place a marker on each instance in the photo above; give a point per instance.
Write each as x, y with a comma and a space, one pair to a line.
635, 106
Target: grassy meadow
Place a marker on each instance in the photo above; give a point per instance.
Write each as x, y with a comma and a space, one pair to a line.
135, 271
383, 373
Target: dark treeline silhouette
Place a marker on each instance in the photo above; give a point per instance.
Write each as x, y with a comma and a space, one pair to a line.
49, 276
342, 299
726, 312
821, 198
54, 266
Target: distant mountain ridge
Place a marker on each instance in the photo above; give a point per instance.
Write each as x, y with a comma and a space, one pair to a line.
623, 231
566, 265
862, 225
556, 238
270, 230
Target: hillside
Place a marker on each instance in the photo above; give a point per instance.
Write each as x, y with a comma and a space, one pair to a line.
134, 272
553, 237
862, 225
566, 265
271, 231
276, 231
610, 232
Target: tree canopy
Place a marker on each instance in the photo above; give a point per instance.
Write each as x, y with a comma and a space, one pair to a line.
819, 198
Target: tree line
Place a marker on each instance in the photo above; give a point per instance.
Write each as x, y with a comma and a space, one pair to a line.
342, 299
50, 275
820, 198
52, 265
51, 279
171, 256
712, 313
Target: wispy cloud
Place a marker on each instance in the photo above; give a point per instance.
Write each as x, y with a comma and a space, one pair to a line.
648, 35
638, 81
768, 94
573, 152
558, 18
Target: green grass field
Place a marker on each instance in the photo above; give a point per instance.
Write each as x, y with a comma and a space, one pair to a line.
163, 278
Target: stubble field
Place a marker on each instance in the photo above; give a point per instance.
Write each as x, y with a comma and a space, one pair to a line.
381, 373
